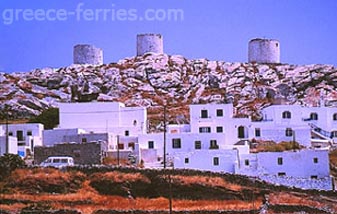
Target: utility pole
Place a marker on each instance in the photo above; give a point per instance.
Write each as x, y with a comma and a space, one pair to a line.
170, 193
117, 150
7, 138
165, 136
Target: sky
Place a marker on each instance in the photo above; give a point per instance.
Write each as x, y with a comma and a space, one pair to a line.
39, 33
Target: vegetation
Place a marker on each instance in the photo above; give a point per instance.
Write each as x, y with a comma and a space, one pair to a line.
129, 190
269, 146
8, 163
49, 118
333, 163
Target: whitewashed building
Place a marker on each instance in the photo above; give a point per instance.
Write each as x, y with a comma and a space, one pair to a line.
28, 136
100, 117
307, 169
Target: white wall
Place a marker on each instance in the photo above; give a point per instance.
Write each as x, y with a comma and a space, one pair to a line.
103, 117
51, 137
195, 115
298, 164
274, 112
12, 145
227, 160
277, 132
187, 141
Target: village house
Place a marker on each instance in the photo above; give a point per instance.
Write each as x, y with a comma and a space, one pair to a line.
214, 140
27, 135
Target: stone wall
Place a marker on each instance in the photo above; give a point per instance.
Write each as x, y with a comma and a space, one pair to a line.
321, 183
83, 153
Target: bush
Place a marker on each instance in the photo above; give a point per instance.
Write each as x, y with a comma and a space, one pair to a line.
49, 118
8, 163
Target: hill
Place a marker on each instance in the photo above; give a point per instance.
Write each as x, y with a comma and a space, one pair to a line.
155, 80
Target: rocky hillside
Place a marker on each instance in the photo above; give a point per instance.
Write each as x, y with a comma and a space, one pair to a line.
151, 80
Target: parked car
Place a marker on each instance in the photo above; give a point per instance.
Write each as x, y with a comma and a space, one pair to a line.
58, 161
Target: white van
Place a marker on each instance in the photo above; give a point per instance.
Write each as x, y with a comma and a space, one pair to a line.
58, 161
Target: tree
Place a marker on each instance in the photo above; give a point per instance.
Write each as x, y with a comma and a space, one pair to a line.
8, 163
49, 118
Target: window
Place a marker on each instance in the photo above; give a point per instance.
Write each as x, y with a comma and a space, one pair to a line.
257, 132
176, 143
280, 161
10, 133
213, 144
131, 145
120, 146
151, 144
56, 160
289, 132
315, 160
19, 135
187, 160
216, 161
313, 116
204, 114
281, 174
334, 117
64, 160
247, 162
333, 134
197, 144
22, 144
204, 129
219, 129
127, 133
286, 115
219, 112
241, 132
314, 177
29, 133
84, 140
135, 123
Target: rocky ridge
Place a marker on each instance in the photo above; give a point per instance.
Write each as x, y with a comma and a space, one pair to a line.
153, 80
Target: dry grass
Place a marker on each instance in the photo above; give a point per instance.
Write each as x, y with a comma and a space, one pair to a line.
49, 180
14, 208
120, 203
119, 177
95, 201
205, 180
283, 198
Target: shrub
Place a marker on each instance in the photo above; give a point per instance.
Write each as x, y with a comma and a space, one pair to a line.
118, 183
49, 118
8, 163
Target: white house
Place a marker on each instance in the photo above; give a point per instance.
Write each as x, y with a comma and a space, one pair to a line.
302, 168
100, 117
28, 136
